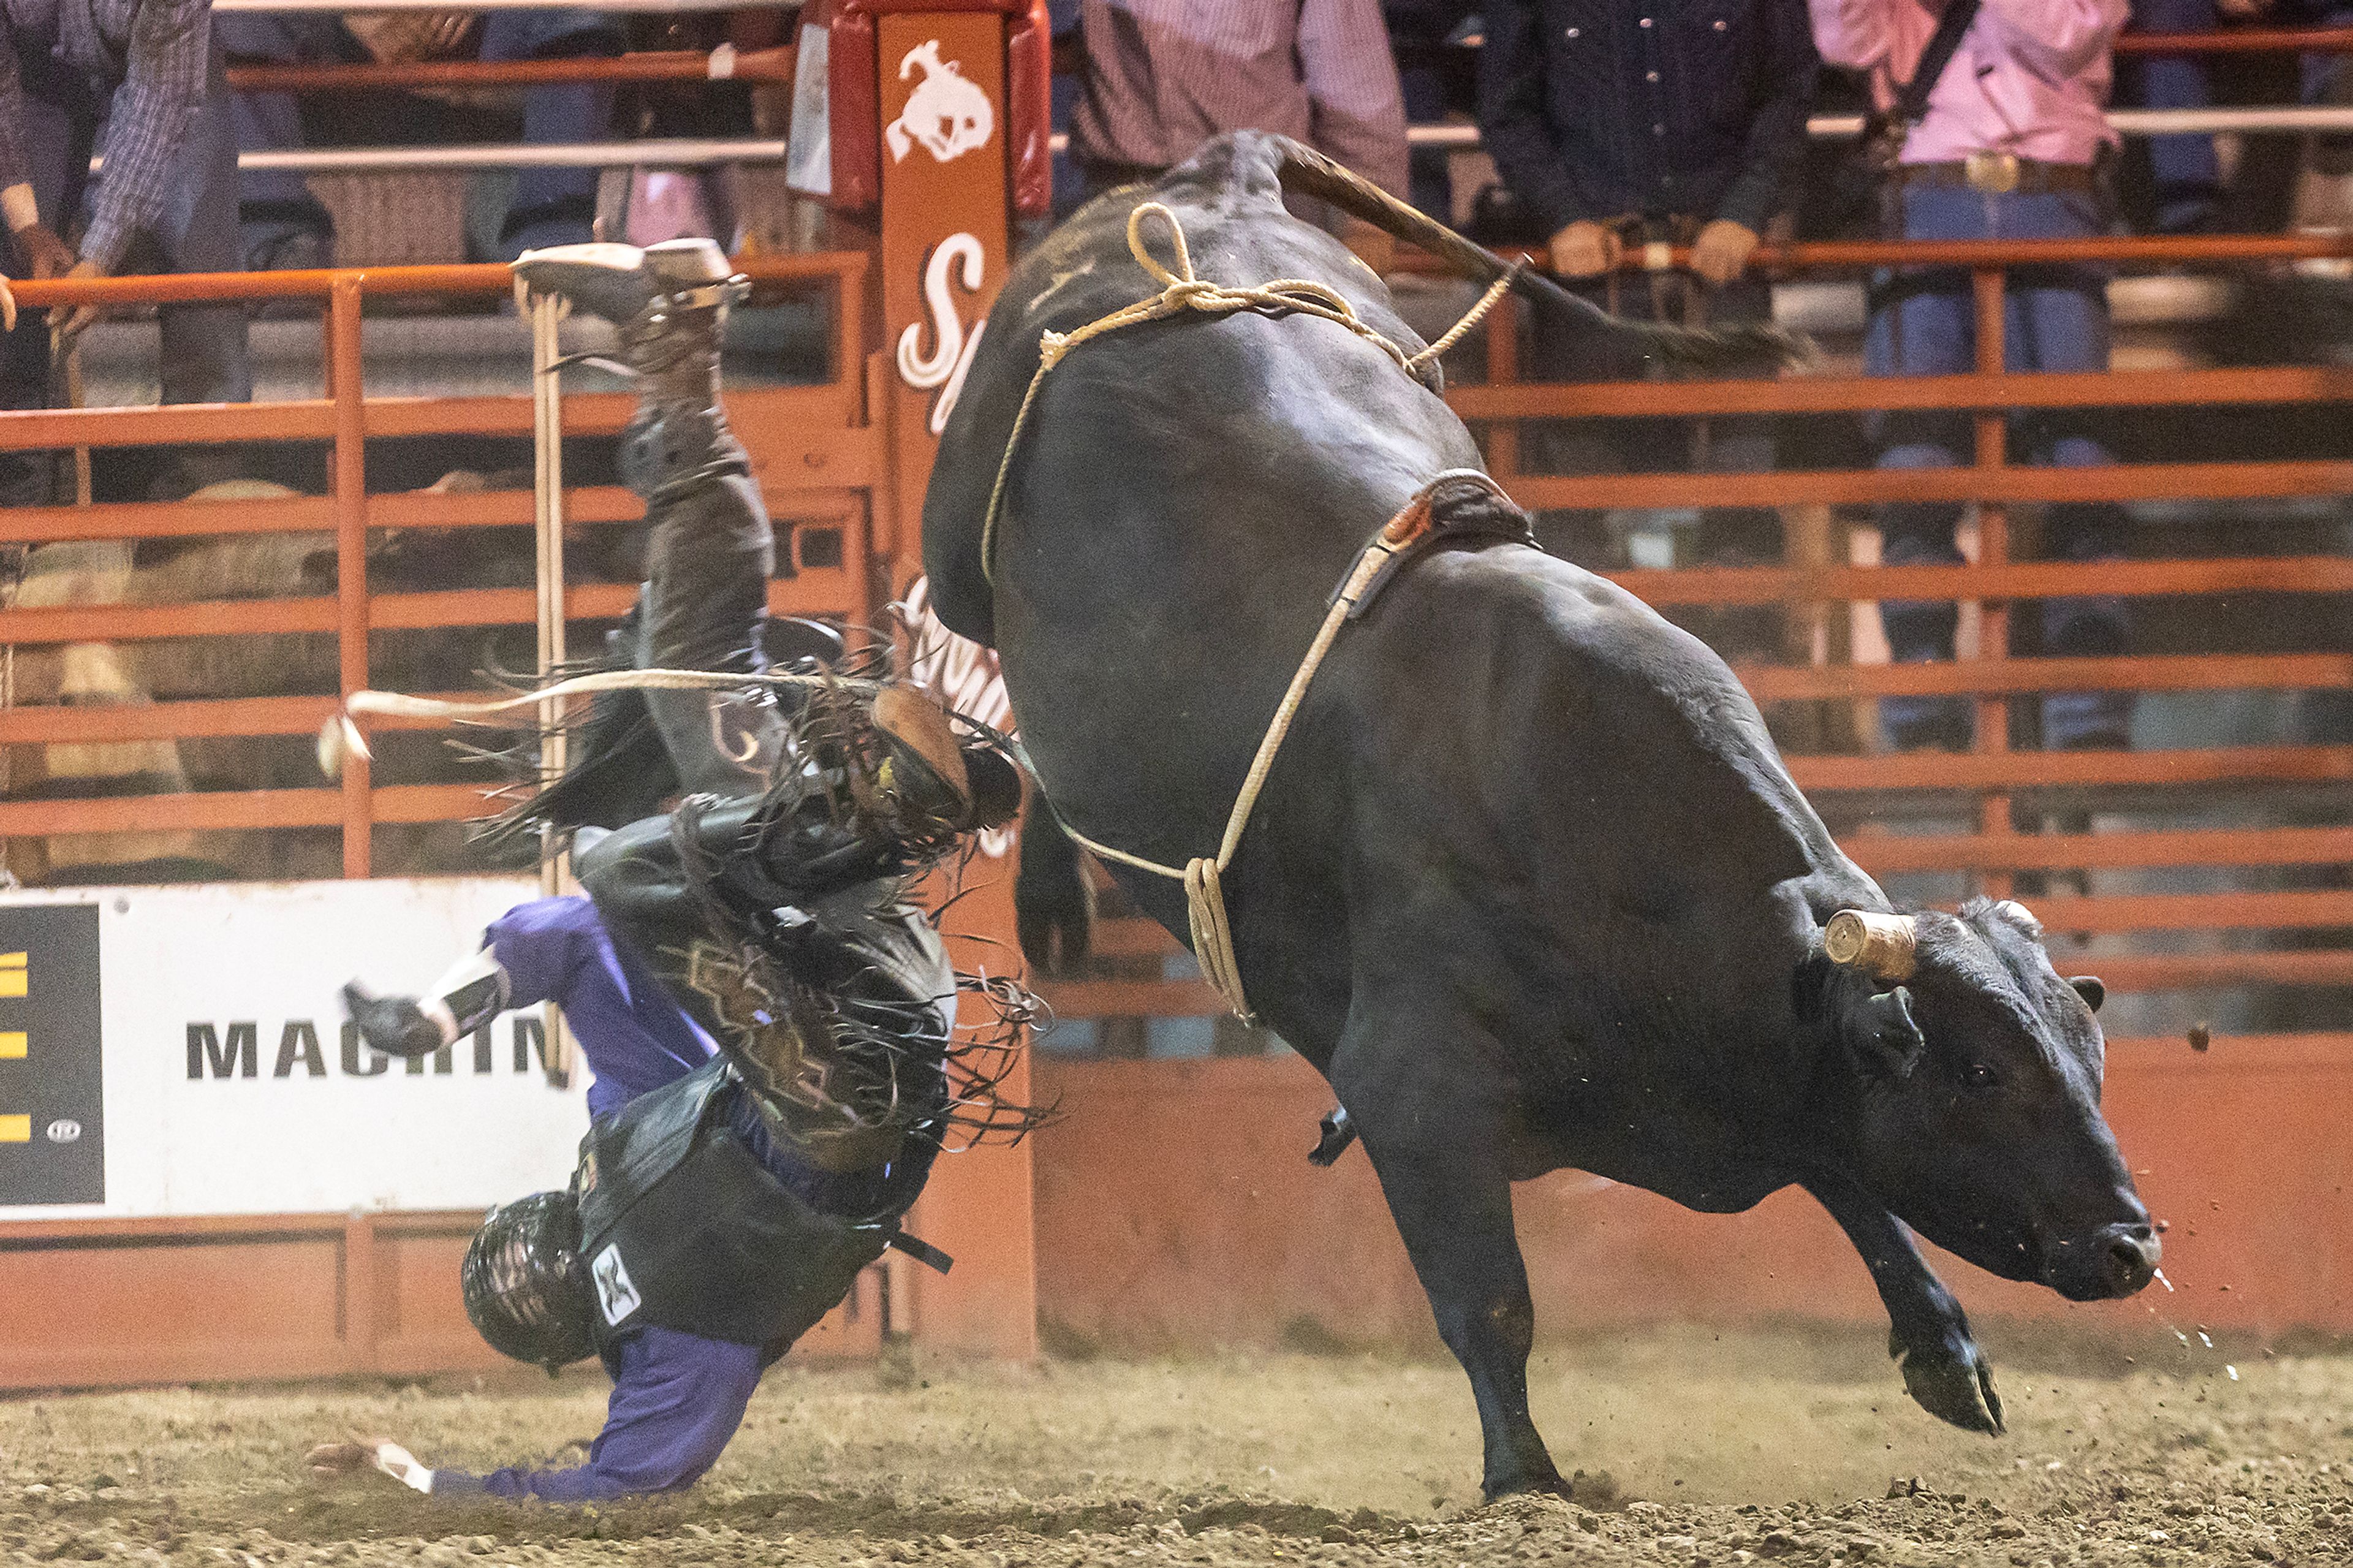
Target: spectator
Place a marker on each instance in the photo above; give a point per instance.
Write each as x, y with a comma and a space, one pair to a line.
2325, 76
2010, 145
2184, 170
2185, 175
1161, 77
1437, 75
1627, 122
146, 71
285, 225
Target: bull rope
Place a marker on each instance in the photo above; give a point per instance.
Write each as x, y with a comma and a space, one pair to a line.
1181, 291
1205, 898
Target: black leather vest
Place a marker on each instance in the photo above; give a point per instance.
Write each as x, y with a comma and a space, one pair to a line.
683, 1227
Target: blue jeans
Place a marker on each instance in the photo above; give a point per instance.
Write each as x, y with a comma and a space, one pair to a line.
1923, 323
550, 206
2188, 178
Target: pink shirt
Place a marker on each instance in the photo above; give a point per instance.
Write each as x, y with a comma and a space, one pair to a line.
2030, 76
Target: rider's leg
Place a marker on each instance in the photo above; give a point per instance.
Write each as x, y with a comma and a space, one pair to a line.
711, 550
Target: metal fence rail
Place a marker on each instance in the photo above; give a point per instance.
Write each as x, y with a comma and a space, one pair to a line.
2292, 118
725, 63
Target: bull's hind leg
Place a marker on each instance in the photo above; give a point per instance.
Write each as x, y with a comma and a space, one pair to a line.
1427, 1091
1928, 1334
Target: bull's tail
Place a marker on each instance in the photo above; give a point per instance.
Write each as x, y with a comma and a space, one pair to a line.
1752, 347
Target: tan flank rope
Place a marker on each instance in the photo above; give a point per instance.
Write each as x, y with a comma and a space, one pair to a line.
1181, 291
1205, 899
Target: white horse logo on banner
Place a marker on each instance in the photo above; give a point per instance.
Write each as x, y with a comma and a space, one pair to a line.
949, 115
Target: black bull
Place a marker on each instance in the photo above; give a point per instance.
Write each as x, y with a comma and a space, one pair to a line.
1528, 884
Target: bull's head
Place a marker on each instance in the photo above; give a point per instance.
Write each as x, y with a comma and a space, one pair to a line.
1977, 1073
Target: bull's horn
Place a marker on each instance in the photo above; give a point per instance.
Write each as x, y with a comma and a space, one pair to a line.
1883, 946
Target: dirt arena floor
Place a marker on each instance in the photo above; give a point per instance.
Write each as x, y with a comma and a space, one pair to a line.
1779, 1446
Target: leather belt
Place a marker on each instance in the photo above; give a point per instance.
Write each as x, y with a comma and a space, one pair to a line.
1999, 173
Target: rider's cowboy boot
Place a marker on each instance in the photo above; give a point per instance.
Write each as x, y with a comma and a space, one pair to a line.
670, 303
473, 992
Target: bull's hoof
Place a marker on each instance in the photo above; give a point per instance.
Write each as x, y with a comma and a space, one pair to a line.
1953, 1382
1548, 1483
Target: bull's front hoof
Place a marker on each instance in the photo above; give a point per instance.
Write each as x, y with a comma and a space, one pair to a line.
1953, 1383
1547, 1482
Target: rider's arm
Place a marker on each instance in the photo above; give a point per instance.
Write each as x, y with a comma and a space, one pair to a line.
676, 1400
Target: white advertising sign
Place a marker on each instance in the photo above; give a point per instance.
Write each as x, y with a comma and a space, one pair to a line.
178, 1051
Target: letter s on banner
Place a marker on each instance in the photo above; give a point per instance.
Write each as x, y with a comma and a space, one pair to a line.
956, 260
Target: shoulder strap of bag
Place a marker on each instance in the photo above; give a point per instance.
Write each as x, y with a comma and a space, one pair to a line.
1912, 98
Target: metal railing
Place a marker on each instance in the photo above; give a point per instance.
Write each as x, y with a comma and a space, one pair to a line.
1992, 798
2290, 118
776, 65
816, 450
664, 152
723, 64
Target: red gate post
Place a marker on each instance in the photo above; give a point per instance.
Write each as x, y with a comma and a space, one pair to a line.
945, 231
934, 120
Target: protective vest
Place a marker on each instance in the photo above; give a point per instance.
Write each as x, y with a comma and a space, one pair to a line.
683, 1227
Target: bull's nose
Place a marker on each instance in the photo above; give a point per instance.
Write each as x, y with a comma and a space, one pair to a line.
2129, 1259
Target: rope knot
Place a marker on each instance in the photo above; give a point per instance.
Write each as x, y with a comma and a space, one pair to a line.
1143, 257
1213, 939
1051, 347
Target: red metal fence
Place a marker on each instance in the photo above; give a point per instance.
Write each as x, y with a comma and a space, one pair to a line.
816, 450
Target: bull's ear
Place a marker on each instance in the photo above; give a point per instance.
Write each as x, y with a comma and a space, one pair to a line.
2089, 988
1882, 1036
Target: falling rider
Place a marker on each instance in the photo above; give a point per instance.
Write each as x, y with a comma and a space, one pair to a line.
767, 1015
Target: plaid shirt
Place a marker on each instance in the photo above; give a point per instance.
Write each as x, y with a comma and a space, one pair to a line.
1164, 76
152, 56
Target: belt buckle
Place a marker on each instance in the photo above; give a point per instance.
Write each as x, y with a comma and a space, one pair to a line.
1995, 173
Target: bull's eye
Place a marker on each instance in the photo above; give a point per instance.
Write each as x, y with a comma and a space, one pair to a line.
1978, 1075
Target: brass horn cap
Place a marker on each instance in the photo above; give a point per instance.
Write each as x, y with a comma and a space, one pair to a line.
1880, 945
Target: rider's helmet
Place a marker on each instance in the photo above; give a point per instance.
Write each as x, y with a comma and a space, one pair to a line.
525, 1289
